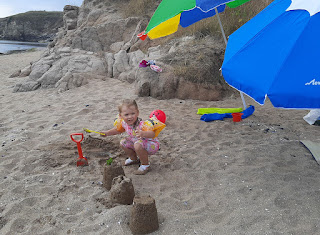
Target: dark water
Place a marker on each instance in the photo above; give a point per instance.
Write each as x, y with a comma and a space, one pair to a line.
7, 47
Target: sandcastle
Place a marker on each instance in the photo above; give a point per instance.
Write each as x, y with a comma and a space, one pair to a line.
110, 172
122, 190
144, 216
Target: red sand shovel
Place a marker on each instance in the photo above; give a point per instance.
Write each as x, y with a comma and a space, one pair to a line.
82, 161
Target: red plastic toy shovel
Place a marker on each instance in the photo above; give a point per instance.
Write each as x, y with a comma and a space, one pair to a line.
82, 161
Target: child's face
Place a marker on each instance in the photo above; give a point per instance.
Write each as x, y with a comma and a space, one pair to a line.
129, 114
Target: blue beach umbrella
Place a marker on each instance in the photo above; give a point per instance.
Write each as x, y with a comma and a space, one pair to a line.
277, 55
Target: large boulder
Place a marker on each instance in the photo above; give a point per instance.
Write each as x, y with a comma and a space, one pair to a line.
64, 69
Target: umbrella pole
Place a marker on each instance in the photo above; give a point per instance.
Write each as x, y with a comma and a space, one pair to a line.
243, 100
223, 34
225, 41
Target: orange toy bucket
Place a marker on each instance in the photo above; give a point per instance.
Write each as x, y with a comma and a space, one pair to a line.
237, 117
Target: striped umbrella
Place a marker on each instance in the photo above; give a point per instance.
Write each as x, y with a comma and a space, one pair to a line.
172, 13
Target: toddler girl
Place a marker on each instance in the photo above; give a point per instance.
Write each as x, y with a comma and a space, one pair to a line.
141, 141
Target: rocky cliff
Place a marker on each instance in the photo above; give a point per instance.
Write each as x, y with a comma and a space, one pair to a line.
32, 26
98, 41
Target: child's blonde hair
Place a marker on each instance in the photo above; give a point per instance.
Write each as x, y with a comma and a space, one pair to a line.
127, 103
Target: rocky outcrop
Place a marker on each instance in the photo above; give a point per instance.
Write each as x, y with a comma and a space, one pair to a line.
31, 26
97, 42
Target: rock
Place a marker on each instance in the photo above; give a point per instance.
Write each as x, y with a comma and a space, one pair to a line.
135, 58
64, 83
70, 16
154, 52
25, 72
53, 75
140, 26
64, 50
109, 57
89, 40
72, 80
39, 68
115, 47
121, 63
68, 72
15, 74
129, 76
145, 81
27, 86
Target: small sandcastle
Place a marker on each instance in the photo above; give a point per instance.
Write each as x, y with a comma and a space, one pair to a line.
144, 216
122, 190
111, 171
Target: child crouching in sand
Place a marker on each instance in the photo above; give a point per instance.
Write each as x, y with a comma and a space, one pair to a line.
141, 141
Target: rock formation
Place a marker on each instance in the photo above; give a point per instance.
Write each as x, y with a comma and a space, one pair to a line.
98, 42
31, 26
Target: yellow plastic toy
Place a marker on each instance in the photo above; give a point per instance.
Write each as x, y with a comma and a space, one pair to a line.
202, 111
89, 131
153, 124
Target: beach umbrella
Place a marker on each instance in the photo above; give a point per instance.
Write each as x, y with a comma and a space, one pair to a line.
172, 13
277, 55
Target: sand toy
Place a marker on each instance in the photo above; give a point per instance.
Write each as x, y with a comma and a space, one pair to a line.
237, 117
82, 161
89, 131
160, 115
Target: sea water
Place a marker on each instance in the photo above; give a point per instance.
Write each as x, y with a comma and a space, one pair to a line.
7, 47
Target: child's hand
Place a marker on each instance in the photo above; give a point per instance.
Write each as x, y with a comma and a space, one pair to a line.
139, 133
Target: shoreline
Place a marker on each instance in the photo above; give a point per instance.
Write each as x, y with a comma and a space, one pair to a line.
22, 51
37, 46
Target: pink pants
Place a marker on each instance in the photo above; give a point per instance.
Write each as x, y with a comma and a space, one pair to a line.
151, 145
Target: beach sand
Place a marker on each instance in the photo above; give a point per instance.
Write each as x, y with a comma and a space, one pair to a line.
250, 177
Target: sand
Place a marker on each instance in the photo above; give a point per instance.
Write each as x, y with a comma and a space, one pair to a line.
251, 177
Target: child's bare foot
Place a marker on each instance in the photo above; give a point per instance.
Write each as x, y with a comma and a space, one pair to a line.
142, 170
129, 162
